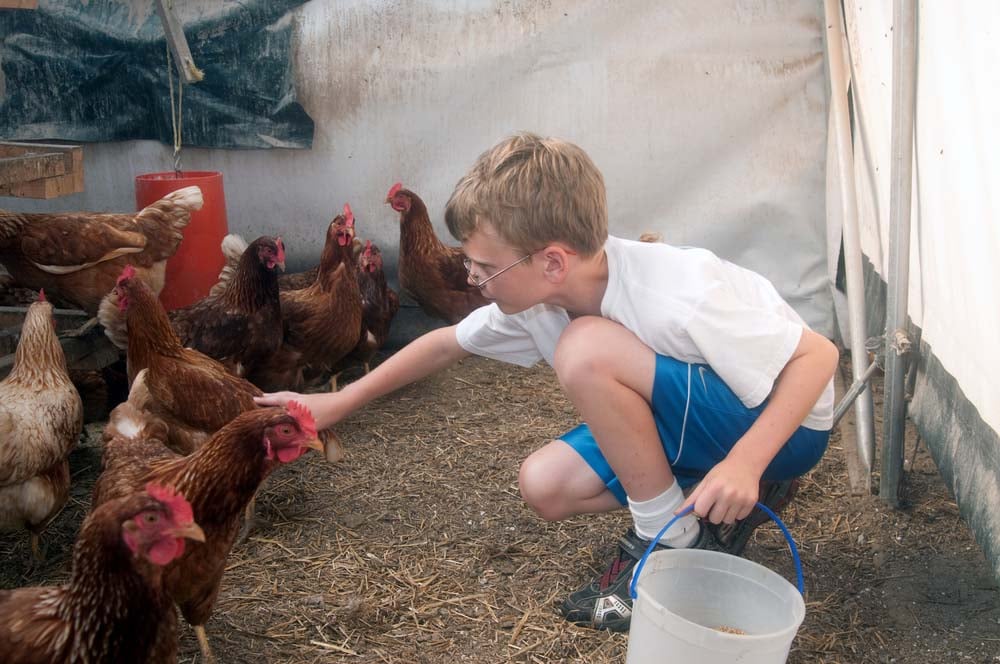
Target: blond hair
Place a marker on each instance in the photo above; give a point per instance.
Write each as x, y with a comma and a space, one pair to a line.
533, 191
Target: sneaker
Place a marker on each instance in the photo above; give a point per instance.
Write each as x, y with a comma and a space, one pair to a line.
733, 538
604, 603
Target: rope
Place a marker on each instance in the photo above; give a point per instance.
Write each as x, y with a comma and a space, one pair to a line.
175, 111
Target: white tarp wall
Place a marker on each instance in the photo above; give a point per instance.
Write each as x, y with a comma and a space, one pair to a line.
707, 118
954, 270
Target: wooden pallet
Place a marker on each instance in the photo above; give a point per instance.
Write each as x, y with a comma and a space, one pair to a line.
40, 170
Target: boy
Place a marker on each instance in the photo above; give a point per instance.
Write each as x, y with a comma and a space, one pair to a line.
688, 371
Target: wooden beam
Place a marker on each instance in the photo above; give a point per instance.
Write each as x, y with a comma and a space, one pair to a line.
40, 170
17, 170
177, 42
18, 4
23, 148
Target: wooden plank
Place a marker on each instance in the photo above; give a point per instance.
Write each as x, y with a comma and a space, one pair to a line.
17, 178
18, 4
46, 188
17, 170
177, 42
22, 148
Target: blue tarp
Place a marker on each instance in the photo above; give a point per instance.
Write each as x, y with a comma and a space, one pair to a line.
96, 71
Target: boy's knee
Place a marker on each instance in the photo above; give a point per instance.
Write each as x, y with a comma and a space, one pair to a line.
538, 490
579, 353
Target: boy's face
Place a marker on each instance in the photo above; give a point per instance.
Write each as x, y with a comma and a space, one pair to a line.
514, 289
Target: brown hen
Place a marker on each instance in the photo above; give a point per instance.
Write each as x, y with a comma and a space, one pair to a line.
379, 305
431, 272
41, 416
194, 394
239, 323
114, 607
220, 479
77, 256
322, 321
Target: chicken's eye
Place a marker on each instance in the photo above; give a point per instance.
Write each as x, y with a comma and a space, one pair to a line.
151, 517
285, 430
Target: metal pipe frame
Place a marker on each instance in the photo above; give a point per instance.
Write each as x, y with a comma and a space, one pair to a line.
904, 76
839, 73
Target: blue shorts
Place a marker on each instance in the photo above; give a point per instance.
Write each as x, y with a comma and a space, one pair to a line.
699, 420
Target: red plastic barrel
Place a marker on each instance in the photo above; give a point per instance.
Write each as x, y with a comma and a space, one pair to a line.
194, 269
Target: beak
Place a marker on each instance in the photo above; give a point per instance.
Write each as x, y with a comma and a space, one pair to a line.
313, 444
333, 448
281, 264
191, 531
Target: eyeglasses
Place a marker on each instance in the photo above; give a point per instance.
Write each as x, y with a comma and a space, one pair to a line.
474, 278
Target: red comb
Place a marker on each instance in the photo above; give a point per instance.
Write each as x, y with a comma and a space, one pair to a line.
395, 188
281, 249
368, 247
180, 508
348, 215
41, 295
302, 415
127, 273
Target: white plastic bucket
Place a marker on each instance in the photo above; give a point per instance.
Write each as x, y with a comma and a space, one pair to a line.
682, 597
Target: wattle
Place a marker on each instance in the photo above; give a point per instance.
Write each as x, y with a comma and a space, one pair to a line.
166, 550
287, 454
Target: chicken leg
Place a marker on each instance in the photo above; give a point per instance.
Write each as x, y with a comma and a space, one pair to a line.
206, 650
36, 549
83, 330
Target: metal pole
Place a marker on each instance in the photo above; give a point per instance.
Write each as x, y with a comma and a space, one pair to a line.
864, 413
904, 32
857, 388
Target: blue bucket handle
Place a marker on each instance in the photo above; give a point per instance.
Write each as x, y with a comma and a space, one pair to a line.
774, 517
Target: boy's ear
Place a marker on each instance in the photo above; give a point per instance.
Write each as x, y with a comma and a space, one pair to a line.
555, 263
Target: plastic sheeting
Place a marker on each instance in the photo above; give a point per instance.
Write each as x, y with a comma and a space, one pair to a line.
97, 71
955, 238
706, 117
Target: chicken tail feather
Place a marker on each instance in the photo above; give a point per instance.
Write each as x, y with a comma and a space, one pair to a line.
128, 420
233, 247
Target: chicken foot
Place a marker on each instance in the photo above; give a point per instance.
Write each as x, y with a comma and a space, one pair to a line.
206, 650
83, 330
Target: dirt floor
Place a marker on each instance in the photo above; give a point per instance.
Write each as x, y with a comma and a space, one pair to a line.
417, 548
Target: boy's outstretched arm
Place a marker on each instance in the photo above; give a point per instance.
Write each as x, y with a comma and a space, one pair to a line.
730, 490
423, 356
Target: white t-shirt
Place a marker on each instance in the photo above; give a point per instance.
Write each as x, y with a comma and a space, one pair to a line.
684, 303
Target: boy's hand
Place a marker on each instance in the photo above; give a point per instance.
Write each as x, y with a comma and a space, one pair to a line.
279, 398
326, 408
728, 492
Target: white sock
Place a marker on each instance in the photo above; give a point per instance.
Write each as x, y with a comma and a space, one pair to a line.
651, 515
